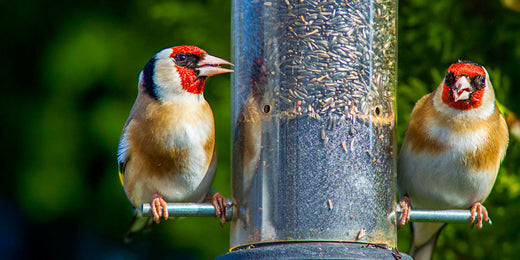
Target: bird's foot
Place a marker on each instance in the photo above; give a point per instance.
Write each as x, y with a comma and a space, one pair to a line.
159, 206
219, 203
479, 212
405, 214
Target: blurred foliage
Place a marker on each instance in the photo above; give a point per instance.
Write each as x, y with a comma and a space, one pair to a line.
69, 77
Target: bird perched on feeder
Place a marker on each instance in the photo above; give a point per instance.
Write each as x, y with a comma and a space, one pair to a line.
454, 143
167, 147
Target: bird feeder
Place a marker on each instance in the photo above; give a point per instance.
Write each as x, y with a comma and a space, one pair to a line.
313, 111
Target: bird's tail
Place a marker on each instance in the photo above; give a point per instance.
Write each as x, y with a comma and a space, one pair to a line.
424, 238
139, 224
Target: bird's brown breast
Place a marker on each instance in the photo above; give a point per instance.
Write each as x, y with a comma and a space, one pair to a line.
417, 133
152, 137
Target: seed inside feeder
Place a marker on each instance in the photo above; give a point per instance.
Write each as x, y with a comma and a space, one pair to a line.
328, 71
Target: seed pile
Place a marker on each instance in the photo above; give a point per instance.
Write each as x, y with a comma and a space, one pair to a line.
336, 58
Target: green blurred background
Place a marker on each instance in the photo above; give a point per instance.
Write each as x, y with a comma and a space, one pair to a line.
69, 76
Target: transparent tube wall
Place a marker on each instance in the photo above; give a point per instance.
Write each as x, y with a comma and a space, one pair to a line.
313, 110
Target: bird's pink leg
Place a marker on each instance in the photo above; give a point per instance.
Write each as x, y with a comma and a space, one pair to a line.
405, 214
219, 203
480, 212
157, 203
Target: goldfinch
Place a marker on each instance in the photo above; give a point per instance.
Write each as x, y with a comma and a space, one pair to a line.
167, 148
454, 144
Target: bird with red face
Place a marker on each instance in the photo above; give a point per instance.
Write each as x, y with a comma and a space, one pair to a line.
167, 147
454, 144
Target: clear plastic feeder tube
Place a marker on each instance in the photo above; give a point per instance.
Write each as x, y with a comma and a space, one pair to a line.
313, 113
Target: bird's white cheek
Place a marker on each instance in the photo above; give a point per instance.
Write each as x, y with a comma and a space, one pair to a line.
167, 80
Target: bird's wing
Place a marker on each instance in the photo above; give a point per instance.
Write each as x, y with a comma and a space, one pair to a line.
122, 155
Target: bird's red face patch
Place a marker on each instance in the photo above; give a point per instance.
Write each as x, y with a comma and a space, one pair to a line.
187, 49
469, 69
190, 81
475, 74
189, 78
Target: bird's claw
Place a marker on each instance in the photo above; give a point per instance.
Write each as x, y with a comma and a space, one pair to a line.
220, 203
405, 214
159, 206
479, 212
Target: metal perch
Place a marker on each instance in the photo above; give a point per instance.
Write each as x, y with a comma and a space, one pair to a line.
434, 215
191, 210
207, 210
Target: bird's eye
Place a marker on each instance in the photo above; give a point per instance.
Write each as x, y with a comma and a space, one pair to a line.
181, 57
479, 82
186, 60
449, 80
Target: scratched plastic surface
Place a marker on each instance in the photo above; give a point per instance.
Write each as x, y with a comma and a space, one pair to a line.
313, 115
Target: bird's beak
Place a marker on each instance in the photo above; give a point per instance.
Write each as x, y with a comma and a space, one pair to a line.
461, 89
209, 66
